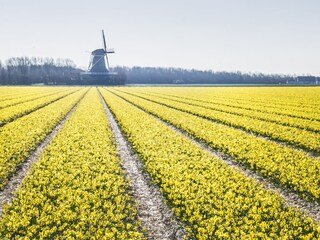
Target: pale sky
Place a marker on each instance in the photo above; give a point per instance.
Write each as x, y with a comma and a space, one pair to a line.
268, 36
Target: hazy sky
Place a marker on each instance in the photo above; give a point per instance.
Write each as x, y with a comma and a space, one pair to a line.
269, 36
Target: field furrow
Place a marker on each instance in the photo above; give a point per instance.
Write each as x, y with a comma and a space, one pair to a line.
303, 109
77, 190
47, 92
290, 135
300, 123
8, 193
10, 93
212, 198
11, 113
19, 138
289, 167
153, 213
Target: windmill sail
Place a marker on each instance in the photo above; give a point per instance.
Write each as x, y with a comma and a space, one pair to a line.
104, 41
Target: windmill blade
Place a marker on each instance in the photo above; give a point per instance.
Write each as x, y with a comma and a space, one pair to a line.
104, 41
107, 61
110, 50
90, 64
105, 49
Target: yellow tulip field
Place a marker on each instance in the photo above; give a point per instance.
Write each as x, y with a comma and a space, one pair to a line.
229, 162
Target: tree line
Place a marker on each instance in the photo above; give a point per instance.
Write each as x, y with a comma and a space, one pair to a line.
49, 71
35, 70
153, 75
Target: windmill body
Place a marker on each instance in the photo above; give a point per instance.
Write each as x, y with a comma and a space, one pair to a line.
97, 62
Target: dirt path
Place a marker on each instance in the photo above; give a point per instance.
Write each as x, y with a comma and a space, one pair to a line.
8, 193
154, 214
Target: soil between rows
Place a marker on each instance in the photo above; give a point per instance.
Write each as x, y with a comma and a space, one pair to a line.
154, 214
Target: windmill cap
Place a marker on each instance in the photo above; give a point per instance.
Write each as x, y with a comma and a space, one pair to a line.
98, 51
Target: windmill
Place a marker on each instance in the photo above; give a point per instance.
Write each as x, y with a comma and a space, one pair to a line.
99, 69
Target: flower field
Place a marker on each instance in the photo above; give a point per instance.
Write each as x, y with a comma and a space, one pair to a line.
79, 189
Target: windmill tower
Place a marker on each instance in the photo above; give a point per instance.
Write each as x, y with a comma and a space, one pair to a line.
99, 70
99, 57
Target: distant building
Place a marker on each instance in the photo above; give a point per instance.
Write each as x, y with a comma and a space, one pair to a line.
305, 80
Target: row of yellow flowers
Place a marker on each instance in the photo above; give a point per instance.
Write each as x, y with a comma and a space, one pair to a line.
33, 94
298, 137
245, 111
13, 112
20, 137
77, 190
295, 102
214, 200
14, 92
289, 167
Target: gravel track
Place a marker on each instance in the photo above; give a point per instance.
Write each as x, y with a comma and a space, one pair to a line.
154, 214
